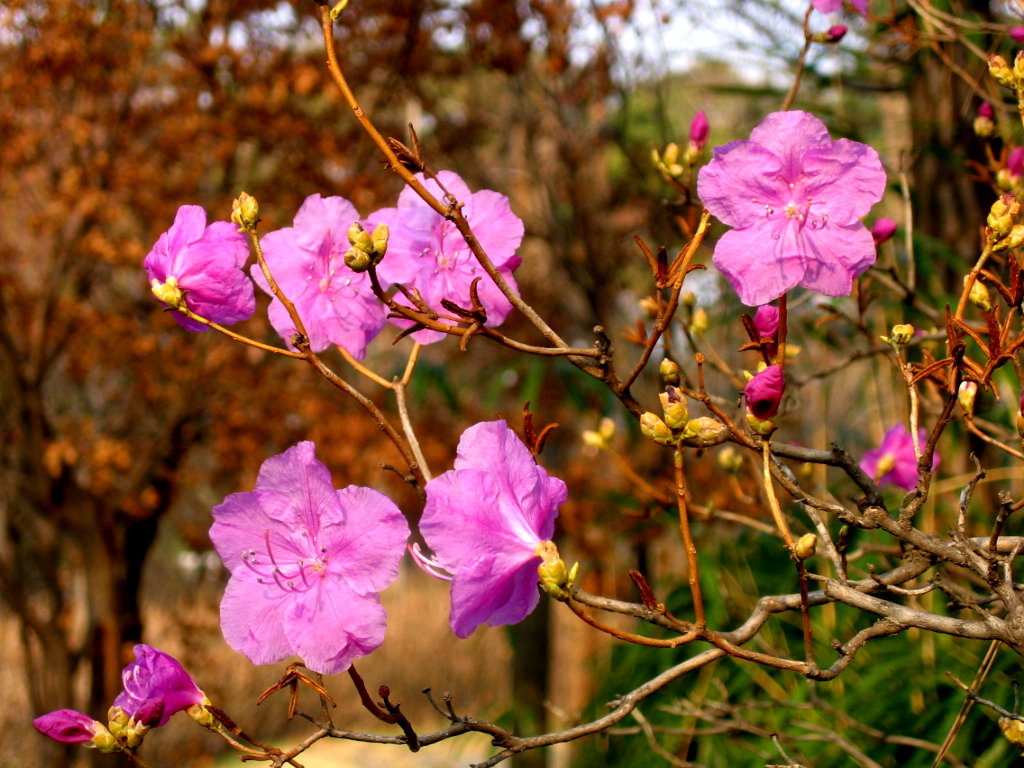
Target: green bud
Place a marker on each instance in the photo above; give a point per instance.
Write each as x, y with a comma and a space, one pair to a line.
763, 428
703, 432
105, 741
657, 430
1013, 240
357, 259
245, 212
984, 127
1000, 70
900, 335
1001, 214
688, 299
169, 293
671, 153
555, 578
699, 323
1013, 730
379, 242
979, 295
1018, 68
359, 237
669, 371
966, 395
673, 406
805, 546
202, 715
730, 460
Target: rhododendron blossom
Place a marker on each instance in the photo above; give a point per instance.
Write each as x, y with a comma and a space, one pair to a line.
427, 253
795, 199
307, 261
306, 563
489, 522
68, 726
764, 392
894, 461
200, 267
156, 684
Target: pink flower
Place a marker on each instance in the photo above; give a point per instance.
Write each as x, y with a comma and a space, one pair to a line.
893, 461
828, 6
766, 321
487, 521
307, 260
985, 109
427, 253
68, 726
764, 392
306, 563
795, 199
1017, 33
200, 267
156, 686
699, 128
882, 230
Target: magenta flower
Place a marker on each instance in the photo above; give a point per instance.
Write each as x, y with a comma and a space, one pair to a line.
1017, 33
882, 230
306, 563
764, 392
699, 128
200, 267
489, 521
156, 686
893, 461
307, 260
68, 726
828, 6
766, 321
427, 253
795, 199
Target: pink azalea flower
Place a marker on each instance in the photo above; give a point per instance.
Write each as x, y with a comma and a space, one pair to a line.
893, 461
487, 521
156, 678
306, 563
764, 392
68, 726
307, 260
795, 199
427, 253
766, 321
201, 267
882, 230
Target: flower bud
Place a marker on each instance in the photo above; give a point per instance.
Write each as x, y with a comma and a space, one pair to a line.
1000, 70
703, 432
671, 154
357, 259
900, 335
688, 299
762, 427
602, 437
766, 321
1013, 240
1018, 68
699, 322
729, 459
1013, 730
379, 242
202, 715
764, 392
673, 406
882, 230
657, 430
245, 212
1002, 213
649, 306
984, 126
1017, 33
555, 578
104, 741
966, 395
169, 293
359, 237
979, 295
1015, 163
669, 371
699, 128
668, 161
805, 546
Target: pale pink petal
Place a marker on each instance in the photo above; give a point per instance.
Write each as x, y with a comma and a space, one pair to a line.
495, 590
836, 255
372, 540
758, 267
788, 135
847, 177
252, 620
740, 187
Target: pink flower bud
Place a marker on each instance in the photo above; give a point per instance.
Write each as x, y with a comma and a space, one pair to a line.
1015, 163
882, 230
836, 33
985, 109
699, 130
1017, 33
764, 392
766, 321
68, 726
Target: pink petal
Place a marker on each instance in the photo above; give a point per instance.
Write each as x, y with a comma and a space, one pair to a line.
370, 543
252, 620
758, 267
496, 590
836, 255
788, 135
847, 176
740, 184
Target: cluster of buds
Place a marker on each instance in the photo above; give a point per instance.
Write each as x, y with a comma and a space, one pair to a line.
601, 438
984, 125
1003, 232
1012, 78
126, 731
674, 163
556, 578
367, 248
245, 212
675, 427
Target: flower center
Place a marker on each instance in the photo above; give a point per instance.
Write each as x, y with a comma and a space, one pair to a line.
290, 577
335, 278
798, 208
